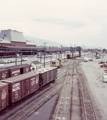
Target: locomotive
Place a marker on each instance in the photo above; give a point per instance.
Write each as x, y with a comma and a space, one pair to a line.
56, 63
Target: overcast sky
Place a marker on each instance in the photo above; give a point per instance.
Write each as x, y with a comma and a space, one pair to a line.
75, 22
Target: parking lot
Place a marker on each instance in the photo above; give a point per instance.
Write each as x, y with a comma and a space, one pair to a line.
93, 73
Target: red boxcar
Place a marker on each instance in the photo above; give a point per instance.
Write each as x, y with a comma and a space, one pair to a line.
14, 71
22, 85
18, 69
3, 95
3, 74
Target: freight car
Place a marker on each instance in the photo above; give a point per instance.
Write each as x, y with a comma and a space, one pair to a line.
47, 75
56, 63
16, 88
12, 71
21, 86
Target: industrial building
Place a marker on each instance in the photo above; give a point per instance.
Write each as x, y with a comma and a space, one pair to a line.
14, 38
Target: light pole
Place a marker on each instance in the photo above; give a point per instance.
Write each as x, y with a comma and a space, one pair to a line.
44, 52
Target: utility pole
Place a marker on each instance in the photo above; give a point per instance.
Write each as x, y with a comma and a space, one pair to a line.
16, 57
44, 52
21, 56
41, 56
70, 51
61, 51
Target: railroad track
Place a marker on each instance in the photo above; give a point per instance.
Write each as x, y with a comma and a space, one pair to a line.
88, 111
63, 107
74, 99
22, 113
74, 102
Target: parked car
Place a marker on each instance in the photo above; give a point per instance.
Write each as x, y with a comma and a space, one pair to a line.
10, 60
97, 57
90, 59
19, 60
105, 71
105, 78
86, 59
103, 65
101, 62
3, 61
24, 59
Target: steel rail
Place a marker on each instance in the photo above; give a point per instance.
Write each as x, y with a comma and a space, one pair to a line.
83, 99
85, 114
62, 94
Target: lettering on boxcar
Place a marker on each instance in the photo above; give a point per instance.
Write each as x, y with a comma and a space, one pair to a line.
3, 103
16, 87
3, 94
15, 71
32, 81
16, 94
4, 75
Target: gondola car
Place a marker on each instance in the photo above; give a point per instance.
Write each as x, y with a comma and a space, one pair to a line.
56, 63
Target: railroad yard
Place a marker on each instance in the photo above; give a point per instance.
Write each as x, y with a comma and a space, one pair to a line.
78, 93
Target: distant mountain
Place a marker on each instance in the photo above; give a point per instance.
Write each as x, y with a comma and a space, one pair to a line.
40, 42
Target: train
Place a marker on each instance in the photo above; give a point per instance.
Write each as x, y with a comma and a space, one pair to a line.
74, 55
16, 87
56, 63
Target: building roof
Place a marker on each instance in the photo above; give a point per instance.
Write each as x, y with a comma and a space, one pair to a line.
4, 41
13, 35
30, 43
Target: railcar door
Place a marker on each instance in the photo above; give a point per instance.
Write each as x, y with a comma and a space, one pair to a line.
23, 88
27, 87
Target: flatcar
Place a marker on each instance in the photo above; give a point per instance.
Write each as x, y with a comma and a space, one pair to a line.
18, 87
56, 63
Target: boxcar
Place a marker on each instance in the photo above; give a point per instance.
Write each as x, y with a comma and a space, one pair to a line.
22, 85
4, 74
47, 75
43, 77
52, 73
3, 95
18, 69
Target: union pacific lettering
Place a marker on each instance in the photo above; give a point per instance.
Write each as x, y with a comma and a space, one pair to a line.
16, 87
